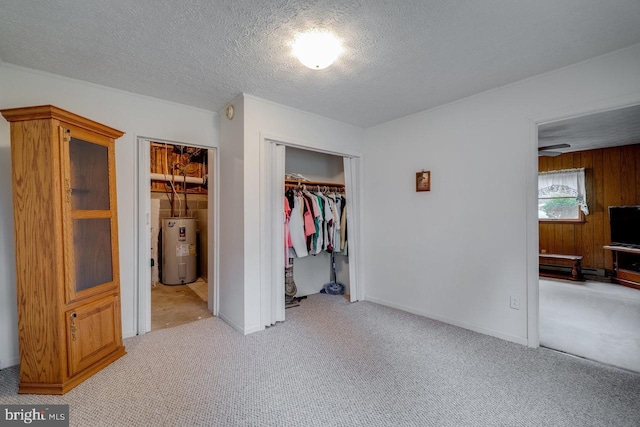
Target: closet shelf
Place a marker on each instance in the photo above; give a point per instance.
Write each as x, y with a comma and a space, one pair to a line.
323, 184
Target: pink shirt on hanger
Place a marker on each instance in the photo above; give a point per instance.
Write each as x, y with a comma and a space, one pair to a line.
309, 225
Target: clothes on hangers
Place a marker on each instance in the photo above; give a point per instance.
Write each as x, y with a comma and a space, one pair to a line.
319, 242
343, 227
312, 243
324, 220
287, 233
297, 229
315, 222
337, 212
309, 226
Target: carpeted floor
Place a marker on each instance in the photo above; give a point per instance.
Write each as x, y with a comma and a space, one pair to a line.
599, 321
338, 364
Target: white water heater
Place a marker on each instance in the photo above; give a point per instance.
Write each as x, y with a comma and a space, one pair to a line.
179, 259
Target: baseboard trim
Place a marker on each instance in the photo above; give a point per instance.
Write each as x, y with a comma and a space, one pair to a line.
231, 323
9, 363
253, 329
464, 325
237, 327
128, 334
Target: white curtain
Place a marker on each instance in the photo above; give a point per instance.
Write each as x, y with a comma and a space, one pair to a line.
564, 183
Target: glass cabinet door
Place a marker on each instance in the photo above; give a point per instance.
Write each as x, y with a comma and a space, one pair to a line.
89, 175
92, 243
88, 199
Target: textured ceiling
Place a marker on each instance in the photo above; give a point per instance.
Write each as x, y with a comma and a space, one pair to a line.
401, 56
610, 128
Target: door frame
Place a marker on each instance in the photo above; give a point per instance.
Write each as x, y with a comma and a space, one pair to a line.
533, 230
143, 251
272, 152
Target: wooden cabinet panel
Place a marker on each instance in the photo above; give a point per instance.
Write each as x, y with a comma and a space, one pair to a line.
628, 176
629, 276
599, 216
34, 197
92, 333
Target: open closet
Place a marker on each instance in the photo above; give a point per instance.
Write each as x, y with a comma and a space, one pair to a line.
316, 233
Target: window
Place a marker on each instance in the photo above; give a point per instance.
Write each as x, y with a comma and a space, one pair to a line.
561, 195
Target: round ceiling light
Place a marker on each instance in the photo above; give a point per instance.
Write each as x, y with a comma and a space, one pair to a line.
317, 49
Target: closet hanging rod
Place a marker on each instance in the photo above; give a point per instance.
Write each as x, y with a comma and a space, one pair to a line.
323, 188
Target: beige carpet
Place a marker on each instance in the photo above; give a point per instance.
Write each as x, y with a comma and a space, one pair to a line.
599, 321
338, 364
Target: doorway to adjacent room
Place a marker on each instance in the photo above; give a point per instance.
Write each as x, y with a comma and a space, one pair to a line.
589, 166
176, 208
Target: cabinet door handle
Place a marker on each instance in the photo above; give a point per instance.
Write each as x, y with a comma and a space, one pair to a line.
73, 326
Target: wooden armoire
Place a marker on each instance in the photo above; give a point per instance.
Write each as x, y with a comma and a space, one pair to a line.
66, 244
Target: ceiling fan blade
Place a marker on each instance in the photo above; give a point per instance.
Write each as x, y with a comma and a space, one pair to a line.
546, 153
553, 147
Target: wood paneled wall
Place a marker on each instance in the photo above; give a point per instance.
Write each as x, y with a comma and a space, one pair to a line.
612, 178
163, 160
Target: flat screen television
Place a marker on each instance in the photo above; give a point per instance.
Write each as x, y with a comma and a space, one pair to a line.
625, 225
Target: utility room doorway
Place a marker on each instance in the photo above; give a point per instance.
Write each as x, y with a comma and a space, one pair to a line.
179, 219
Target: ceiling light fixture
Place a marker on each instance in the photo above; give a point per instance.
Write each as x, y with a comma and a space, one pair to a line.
317, 49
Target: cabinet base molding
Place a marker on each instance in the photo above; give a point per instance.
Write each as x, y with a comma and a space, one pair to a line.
35, 388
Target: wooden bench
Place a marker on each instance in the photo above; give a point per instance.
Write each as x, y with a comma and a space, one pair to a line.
576, 266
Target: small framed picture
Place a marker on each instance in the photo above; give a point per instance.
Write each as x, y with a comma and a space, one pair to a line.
423, 181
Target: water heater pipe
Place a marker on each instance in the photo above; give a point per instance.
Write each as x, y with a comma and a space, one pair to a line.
177, 178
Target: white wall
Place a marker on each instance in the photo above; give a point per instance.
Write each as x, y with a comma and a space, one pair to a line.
231, 217
459, 252
264, 119
137, 116
315, 166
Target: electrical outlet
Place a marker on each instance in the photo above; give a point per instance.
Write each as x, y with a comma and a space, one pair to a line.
515, 303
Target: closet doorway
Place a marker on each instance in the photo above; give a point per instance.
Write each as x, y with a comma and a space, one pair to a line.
316, 171
314, 185
176, 208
